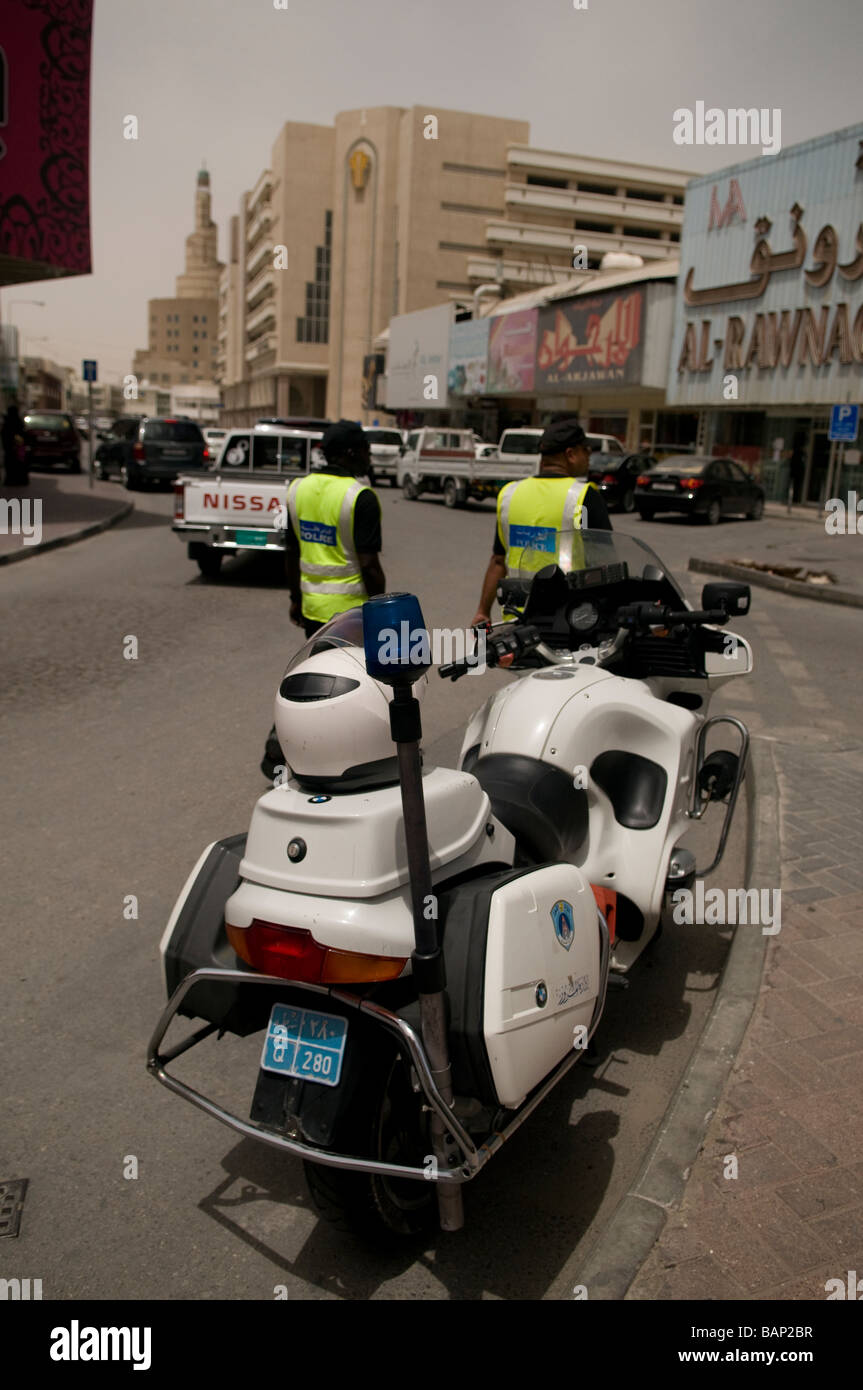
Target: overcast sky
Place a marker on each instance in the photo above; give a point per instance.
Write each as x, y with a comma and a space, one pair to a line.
215, 79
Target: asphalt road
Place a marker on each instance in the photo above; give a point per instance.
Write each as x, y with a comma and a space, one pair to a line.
118, 772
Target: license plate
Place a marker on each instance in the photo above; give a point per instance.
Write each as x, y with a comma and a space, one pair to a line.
305, 1044
665, 487
250, 537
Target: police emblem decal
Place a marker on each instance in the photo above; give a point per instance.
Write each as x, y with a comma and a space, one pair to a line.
562, 916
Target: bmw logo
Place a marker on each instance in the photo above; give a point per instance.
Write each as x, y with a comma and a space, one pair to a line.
541, 994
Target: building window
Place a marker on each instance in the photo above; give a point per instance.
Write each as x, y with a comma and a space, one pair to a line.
204, 334
203, 318
194, 318
314, 327
195, 333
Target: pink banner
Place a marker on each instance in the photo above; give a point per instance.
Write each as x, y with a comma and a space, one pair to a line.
45, 139
512, 351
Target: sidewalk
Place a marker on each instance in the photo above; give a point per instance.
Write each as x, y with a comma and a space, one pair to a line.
791, 1114
70, 511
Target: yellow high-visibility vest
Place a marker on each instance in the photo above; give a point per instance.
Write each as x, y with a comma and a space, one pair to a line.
321, 508
530, 513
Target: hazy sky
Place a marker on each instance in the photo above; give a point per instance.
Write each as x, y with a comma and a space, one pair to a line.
215, 79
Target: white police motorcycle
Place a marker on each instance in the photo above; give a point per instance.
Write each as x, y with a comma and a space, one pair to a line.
426, 951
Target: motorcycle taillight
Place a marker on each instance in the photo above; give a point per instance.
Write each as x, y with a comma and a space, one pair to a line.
292, 953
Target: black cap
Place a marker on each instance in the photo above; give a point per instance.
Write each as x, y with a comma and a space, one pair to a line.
563, 434
343, 438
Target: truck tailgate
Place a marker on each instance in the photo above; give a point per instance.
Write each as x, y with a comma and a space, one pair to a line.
233, 502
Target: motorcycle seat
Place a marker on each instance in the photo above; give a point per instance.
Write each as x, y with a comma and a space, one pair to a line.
537, 803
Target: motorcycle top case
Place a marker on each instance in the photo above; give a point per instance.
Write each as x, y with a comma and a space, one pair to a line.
525, 949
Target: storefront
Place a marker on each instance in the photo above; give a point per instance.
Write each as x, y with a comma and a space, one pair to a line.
768, 325
598, 350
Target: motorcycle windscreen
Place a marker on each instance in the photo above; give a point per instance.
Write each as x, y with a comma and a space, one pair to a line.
599, 558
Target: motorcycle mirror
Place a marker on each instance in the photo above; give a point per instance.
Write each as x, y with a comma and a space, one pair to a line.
734, 598
395, 639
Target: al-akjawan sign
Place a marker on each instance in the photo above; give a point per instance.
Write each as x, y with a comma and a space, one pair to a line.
593, 341
770, 294
44, 139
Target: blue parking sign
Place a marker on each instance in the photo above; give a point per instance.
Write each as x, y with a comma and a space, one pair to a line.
88, 369
843, 423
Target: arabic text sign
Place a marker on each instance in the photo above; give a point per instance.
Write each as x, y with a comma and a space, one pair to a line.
774, 293
592, 341
843, 423
468, 357
512, 351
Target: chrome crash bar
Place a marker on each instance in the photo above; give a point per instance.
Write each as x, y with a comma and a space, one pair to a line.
700, 800
473, 1156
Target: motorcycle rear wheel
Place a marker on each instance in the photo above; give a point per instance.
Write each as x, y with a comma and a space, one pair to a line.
386, 1123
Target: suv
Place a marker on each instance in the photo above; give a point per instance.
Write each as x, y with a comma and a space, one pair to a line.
50, 436
165, 446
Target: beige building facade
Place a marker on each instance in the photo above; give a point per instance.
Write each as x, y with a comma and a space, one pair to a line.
390, 210
183, 330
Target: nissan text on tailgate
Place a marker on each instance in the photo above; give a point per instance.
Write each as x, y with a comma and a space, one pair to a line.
242, 503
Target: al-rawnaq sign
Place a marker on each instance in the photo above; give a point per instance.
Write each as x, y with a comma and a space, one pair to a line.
771, 279
593, 341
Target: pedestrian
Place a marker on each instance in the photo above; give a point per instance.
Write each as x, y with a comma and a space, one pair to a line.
15, 471
559, 498
332, 541
797, 468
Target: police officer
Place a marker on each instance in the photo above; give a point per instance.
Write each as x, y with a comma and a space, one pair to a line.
332, 542
333, 539
559, 498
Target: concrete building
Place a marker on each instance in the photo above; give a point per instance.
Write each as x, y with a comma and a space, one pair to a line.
348, 225
554, 202
392, 210
183, 331
42, 384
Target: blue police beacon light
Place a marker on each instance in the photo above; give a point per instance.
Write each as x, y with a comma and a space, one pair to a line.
395, 639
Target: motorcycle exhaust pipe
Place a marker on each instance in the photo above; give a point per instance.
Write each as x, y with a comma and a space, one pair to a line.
401, 614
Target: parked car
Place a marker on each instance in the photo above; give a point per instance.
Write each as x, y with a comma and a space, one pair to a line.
50, 437
114, 453
214, 439
616, 477
386, 446
160, 448
699, 487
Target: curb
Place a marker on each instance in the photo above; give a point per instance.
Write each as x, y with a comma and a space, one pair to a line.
68, 538
615, 1260
844, 597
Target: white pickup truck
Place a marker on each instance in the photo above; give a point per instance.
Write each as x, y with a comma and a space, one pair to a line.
442, 459
520, 448
241, 504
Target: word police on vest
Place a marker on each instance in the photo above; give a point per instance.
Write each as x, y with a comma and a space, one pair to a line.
445, 645
76, 1343
721, 907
